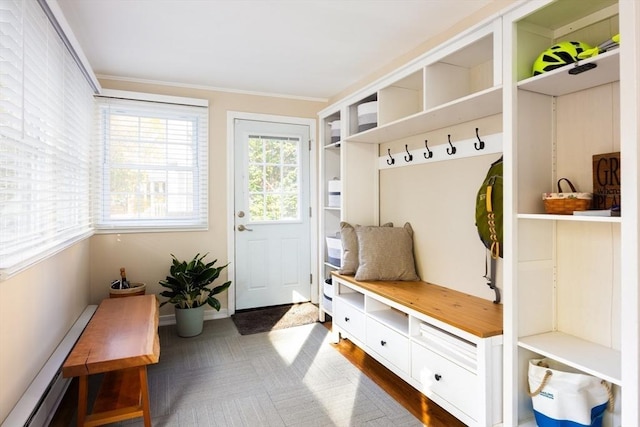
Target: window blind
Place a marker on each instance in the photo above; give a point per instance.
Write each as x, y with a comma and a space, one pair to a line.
153, 163
45, 131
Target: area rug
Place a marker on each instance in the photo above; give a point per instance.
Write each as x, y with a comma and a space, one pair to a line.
266, 319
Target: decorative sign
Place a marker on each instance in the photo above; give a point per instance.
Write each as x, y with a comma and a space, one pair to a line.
606, 180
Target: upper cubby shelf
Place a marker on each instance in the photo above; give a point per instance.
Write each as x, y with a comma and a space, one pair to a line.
456, 83
481, 104
561, 82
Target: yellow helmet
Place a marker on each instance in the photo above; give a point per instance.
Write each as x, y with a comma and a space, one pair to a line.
558, 55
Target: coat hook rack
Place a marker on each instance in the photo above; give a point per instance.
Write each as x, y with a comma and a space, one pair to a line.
390, 160
480, 144
409, 156
451, 150
429, 153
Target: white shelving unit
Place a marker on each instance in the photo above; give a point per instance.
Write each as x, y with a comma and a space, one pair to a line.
565, 270
569, 281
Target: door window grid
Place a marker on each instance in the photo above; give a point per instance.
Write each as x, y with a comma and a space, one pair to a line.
274, 178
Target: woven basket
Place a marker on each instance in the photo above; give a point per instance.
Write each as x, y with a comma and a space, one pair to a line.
566, 203
135, 289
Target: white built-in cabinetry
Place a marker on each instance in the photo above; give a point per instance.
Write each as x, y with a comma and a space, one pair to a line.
565, 274
429, 337
570, 288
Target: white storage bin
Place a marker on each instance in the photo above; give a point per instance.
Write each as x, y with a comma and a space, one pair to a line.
367, 115
327, 295
334, 191
334, 251
335, 131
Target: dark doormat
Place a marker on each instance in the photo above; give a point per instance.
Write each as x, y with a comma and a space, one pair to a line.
255, 320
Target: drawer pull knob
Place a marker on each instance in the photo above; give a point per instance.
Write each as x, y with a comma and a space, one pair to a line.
346, 319
437, 377
383, 343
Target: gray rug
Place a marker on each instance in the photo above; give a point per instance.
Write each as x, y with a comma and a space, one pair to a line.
289, 377
266, 319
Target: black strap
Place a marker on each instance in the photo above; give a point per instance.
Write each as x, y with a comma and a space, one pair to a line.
490, 273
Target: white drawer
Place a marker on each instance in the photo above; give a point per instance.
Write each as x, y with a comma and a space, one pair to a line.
348, 318
451, 382
390, 344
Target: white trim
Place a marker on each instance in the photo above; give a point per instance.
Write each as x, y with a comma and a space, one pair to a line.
152, 97
75, 47
42, 397
231, 117
210, 88
170, 319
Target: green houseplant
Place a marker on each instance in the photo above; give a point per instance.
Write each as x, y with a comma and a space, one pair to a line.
189, 290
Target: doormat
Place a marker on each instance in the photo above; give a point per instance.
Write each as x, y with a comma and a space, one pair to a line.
255, 320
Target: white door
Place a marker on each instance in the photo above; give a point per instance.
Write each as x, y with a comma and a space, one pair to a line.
272, 224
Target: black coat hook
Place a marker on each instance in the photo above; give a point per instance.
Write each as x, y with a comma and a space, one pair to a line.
390, 160
429, 153
451, 150
409, 156
480, 144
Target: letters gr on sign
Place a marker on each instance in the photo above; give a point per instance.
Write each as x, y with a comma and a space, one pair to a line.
606, 180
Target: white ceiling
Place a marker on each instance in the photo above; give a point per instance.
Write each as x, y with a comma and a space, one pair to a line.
303, 48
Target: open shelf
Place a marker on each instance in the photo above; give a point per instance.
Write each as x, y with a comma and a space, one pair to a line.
392, 318
578, 218
559, 82
354, 299
595, 359
481, 104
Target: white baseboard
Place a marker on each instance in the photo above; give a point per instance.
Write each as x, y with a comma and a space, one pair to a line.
38, 404
170, 319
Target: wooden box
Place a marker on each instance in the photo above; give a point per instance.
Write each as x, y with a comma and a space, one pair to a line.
606, 180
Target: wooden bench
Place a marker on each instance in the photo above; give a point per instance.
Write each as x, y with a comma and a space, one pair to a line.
120, 340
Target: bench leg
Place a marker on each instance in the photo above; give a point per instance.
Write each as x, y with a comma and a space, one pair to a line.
144, 396
83, 393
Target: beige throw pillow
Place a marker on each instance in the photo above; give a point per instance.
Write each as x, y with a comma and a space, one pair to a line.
386, 253
349, 240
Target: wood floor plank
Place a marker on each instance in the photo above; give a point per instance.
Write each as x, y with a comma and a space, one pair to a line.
428, 412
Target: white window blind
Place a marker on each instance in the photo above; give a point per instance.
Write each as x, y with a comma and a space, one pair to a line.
45, 133
153, 167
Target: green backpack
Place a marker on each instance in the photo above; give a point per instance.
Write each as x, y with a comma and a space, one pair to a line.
489, 220
489, 210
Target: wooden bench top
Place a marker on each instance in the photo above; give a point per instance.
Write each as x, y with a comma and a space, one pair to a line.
469, 313
123, 333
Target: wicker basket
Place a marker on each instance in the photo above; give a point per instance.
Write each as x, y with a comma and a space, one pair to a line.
566, 203
135, 289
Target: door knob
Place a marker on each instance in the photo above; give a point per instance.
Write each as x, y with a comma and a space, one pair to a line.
243, 228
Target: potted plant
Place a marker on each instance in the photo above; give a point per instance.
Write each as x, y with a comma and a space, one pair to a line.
189, 292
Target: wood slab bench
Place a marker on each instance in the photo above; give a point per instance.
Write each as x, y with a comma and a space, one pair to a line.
120, 340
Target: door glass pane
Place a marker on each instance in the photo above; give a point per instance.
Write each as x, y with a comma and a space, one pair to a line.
274, 178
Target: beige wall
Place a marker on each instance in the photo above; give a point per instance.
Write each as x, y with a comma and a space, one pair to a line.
147, 256
37, 308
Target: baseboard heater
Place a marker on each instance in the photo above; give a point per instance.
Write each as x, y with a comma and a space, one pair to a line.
39, 403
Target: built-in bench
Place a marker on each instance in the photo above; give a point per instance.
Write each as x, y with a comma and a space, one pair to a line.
445, 343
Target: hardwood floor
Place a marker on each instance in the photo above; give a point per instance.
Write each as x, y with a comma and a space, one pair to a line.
428, 412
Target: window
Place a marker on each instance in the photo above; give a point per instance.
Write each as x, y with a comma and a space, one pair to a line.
153, 171
274, 182
45, 132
